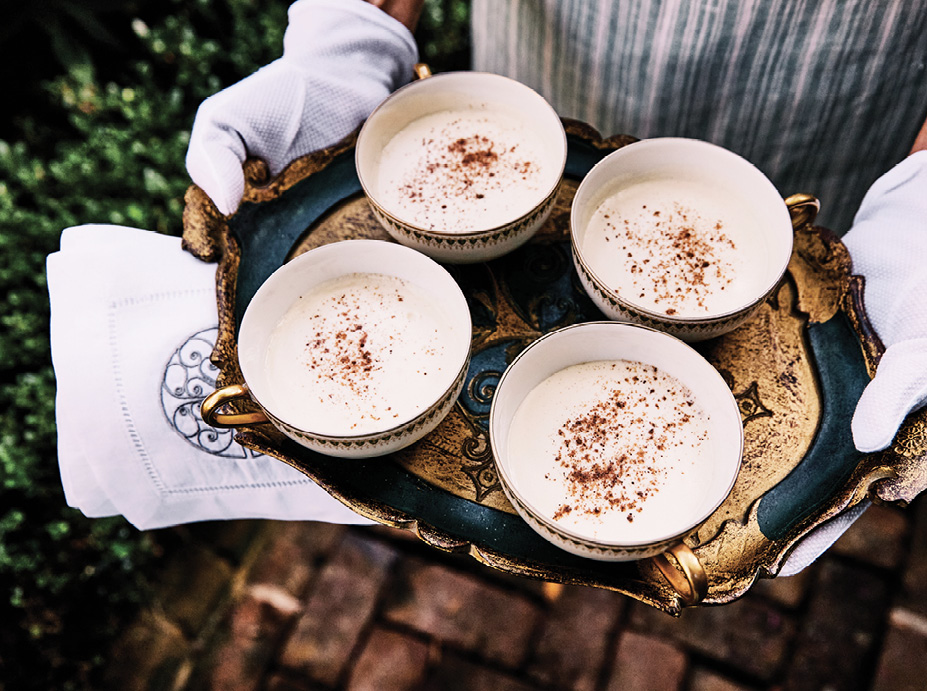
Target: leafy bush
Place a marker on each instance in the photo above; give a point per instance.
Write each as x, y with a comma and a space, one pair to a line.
102, 141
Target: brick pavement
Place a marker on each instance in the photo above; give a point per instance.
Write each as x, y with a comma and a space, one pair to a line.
275, 606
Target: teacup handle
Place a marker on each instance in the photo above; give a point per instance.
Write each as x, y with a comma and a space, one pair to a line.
689, 580
803, 208
211, 404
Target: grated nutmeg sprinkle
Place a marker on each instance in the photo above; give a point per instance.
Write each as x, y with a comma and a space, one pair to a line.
612, 455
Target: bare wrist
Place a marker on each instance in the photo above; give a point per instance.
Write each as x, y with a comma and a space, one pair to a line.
405, 11
920, 142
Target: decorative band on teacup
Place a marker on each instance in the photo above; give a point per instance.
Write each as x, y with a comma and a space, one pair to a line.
471, 247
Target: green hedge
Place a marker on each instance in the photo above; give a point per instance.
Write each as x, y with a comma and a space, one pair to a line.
103, 140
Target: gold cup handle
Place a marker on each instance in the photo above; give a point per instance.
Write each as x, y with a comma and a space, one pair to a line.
421, 70
688, 577
803, 208
211, 404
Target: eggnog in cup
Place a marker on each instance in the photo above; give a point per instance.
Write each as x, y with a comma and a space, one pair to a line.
358, 354
462, 170
612, 449
462, 166
681, 235
677, 247
356, 348
614, 441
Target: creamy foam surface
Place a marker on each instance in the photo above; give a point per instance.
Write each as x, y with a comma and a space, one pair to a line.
358, 354
614, 450
458, 171
676, 247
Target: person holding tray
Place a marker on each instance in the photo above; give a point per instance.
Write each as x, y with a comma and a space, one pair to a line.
821, 98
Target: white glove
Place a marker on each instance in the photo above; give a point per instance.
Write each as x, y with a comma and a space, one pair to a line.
888, 245
341, 58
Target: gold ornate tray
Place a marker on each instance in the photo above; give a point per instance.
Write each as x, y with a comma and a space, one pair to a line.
796, 369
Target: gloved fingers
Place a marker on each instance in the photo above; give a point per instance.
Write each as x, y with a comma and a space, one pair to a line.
341, 59
335, 105
216, 168
888, 244
263, 110
900, 386
895, 192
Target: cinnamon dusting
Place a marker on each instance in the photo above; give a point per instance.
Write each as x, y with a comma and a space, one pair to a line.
676, 257
613, 454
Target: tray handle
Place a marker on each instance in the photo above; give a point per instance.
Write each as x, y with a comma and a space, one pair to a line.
687, 577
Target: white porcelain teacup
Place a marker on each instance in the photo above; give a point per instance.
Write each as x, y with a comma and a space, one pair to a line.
355, 348
615, 442
463, 166
681, 235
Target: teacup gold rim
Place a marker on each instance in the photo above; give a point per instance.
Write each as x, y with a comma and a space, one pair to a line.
509, 486
373, 437
467, 74
663, 317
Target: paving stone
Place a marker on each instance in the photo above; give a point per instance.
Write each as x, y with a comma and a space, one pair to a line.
572, 646
707, 680
837, 644
290, 554
535, 588
192, 586
748, 634
789, 592
460, 626
552, 591
395, 534
453, 673
152, 654
279, 682
914, 581
229, 539
903, 663
643, 663
248, 641
390, 661
339, 606
461, 610
462, 561
878, 537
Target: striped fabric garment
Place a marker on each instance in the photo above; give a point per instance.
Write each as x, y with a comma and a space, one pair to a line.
822, 95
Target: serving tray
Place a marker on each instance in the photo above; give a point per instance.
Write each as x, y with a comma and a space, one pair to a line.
796, 369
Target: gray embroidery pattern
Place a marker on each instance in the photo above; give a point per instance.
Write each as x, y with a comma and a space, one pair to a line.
189, 377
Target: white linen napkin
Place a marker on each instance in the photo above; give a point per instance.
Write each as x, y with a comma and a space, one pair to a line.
133, 320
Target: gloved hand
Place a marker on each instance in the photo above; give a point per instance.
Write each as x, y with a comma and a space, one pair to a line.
888, 246
341, 58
